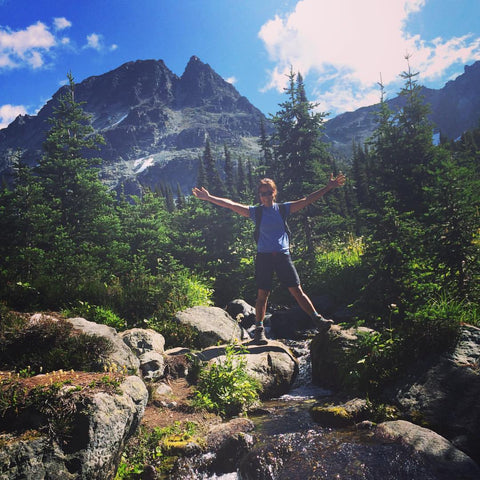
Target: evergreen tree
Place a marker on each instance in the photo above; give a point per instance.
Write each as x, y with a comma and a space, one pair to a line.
66, 174
403, 149
242, 186
181, 202
229, 173
169, 200
300, 155
201, 175
79, 247
301, 164
214, 181
266, 150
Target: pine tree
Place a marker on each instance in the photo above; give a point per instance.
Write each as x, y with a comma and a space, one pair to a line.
84, 236
169, 200
229, 173
66, 174
300, 155
214, 182
266, 150
242, 186
181, 202
201, 175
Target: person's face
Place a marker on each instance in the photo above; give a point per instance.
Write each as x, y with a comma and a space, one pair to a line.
267, 195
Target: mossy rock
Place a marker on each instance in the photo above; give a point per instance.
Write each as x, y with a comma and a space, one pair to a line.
331, 416
341, 415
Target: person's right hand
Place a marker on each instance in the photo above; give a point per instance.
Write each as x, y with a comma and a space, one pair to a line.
200, 193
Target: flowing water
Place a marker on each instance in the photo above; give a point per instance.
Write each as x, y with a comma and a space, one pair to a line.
291, 446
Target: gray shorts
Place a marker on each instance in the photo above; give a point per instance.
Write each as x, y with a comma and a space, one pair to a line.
281, 263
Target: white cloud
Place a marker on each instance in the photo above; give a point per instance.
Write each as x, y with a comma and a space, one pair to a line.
232, 80
8, 113
61, 23
27, 46
347, 44
94, 41
36, 45
97, 42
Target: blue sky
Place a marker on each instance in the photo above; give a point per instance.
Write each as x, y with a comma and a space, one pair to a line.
341, 47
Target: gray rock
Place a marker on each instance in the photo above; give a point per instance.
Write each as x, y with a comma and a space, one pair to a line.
213, 325
273, 365
443, 392
143, 340
163, 389
113, 418
152, 365
121, 356
100, 432
341, 415
329, 352
241, 311
445, 461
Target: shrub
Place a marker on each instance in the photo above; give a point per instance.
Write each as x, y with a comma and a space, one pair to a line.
337, 271
52, 345
435, 327
175, 333
10, 321
97, 314
150, 447
225, 387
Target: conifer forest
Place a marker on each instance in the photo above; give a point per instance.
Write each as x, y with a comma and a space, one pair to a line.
398, 245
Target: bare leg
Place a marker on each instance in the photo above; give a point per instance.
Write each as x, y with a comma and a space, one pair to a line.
303, 300
261, 306
306, 305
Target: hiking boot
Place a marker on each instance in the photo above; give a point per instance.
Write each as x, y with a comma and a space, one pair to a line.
259, 337
322, 324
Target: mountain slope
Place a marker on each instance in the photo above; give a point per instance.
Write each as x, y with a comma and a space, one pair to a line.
455, 108
149, 117
155, 123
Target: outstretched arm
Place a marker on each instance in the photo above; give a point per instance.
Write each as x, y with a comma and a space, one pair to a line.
313, 197
203, 194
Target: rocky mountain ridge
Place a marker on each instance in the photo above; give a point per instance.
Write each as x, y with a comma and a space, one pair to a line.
149, 116
155, 123
455, 108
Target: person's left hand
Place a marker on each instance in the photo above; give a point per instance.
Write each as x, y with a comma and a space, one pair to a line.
338, 181
201, 193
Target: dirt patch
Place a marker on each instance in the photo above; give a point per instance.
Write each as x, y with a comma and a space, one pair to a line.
167, 409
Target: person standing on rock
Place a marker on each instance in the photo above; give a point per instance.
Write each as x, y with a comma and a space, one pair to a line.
273, 246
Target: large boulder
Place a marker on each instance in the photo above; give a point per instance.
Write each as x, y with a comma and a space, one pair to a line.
329, 353
443, 391
100, 424
121, 357
443, 459
213, 325
141, 340
394, 450
273, 365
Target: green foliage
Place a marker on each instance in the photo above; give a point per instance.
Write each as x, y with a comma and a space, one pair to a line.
174, 333
337, 270
50, 345
151, 447
434, 328
225, 387
97, 314
10, 321
372, 362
